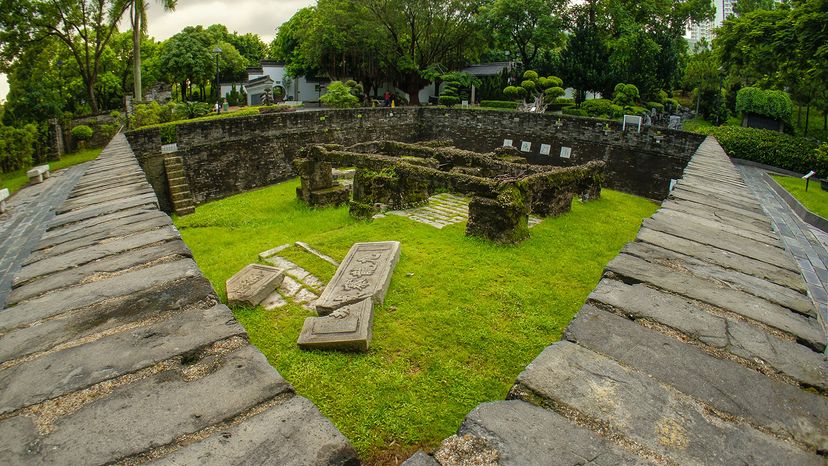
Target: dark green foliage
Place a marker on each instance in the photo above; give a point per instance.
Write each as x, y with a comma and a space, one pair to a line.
773, 148
626, 94
190, 110
339, 96
16, 147
234, 96
498, 104
449, 100
169, 134
82, 133
769, 103
602, 108
574, 112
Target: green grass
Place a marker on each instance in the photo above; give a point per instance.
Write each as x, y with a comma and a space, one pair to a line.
815, 199
16, 180
461, 319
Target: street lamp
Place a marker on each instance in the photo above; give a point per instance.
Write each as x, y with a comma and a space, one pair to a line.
217, 51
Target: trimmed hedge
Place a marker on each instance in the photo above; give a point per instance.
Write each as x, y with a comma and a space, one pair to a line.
17, 146
772, 104
499, 104
773, 148
82, 133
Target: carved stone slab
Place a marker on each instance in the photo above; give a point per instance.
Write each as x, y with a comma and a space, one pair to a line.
252, 284
364, 273
345, 329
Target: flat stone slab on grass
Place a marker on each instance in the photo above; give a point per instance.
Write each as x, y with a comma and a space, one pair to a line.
364, 273
252, 284
346, 329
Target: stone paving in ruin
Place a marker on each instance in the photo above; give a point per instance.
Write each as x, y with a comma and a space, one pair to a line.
299, 286
444, 209
114, 347
698, 346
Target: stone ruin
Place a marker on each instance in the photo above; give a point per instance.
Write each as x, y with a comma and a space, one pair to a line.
396, 175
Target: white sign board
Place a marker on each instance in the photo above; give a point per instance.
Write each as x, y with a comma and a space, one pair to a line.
809, 174
545, 148
525, 146
566, 152
632, 121
464, 103
507, 143
672, 184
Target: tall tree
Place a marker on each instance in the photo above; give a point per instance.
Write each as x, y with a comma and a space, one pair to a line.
526, 26
138, 19
84, 26
584, 60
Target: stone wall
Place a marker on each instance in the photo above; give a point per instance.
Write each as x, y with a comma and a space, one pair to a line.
639, 163
229, 156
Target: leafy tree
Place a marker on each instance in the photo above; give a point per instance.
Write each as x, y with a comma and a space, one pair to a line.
743, 7
527, 26
584, 60
187, 58
288, 44
138, 20
84, 26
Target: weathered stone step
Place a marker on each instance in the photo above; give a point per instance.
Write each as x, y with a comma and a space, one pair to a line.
88, 294
85, 255
709, 213
94, 238
72, 369
749, 284
706, 253
154, 411
676, 217
291, 433
523, 434
184, 211
633, 406
113, 225
90, 200
783, 409
101, 268
704, 200
146, 201
120, 184
725, 241
757, 347
742, 199
805, 329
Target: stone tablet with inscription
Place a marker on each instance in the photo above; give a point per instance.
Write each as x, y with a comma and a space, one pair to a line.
252, 284
364, 273
345, 329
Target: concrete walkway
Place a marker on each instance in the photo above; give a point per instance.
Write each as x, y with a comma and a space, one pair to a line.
698, 346
808, 244
115, 349
25, 222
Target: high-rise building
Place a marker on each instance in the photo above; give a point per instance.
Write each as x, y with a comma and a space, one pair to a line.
704, 30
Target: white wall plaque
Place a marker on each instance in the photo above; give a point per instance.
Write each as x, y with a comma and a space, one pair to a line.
507, 143
545, 148
525, 146
566, 152
672, 184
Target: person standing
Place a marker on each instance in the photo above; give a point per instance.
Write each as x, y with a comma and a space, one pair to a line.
387, 98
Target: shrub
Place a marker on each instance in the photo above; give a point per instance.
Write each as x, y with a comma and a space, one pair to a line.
449, 100
574, 111
530, 75
339, 96
565, 101
498, 104
145, 115
16, 147
602, 108
190, 110
773, 148
514, 92
553, 93
169, 134
528, 85
772, 104
82, 133
655, 105
625, 94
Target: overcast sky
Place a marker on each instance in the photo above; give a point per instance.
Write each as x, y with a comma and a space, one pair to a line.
258, 16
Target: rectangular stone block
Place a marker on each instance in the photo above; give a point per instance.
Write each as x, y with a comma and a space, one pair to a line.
365, 273
346, 329
252, 284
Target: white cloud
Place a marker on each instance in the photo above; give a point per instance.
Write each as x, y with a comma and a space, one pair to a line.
242, 16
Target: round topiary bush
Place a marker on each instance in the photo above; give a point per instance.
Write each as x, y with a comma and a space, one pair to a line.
82, 133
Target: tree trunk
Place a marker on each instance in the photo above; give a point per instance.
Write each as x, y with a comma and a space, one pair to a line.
807, 119
90, 94
137, 91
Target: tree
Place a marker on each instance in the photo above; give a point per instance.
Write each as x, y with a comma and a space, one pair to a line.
187, 58
84, 26
584, 60
288, 44
743, 7
138, 19
527, 26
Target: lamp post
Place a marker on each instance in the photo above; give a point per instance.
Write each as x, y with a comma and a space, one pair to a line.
217, 51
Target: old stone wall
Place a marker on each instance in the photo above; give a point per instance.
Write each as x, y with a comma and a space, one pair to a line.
228, 156
639, 163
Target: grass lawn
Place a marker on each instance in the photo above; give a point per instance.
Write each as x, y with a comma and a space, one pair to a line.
18, 179
461, 319
815, 199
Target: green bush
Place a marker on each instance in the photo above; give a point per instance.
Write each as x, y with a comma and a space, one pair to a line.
449, 100
498, 104
773, 148
603, 108
574, 111
626, 94
145, 115
339, 96
565, 101
82, 133
169, 134
16, 147
771, 104
190, 110
655, 105
530, 75
514, 92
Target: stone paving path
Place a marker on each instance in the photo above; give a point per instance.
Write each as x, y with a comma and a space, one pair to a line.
698, 346
808, 244
299, 286
24, 223
115, 348
444, 209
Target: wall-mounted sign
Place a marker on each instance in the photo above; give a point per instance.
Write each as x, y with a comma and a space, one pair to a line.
525, 146
566, 152
507, 143
545, 148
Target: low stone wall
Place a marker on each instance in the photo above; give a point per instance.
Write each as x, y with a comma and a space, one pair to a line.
228, 156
